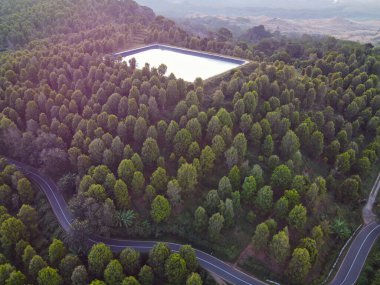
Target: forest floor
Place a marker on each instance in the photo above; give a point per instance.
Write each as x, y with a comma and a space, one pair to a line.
248, 251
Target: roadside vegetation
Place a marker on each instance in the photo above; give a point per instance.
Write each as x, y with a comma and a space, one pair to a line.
371, 270
263, 166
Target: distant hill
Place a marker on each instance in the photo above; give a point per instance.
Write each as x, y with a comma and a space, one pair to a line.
339, 27
255, 34
24, 21
298, 9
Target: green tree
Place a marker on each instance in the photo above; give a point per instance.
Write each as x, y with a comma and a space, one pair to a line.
140, 129
256, 134
317, 235
261, 237
79, 275
121, 194
289, 144
267, 146
113, 274
214, 127
29, 216
137, 162
200, 219
298, 217
35, 265
194, 279
95, 150
98, 258
126, 170
240, 143
182, 141
160, 209
218, 145
228, 212
130, 280
212, 202
24, 189
85, 183
195, 128
175, 269
172, 92
342, 163
67, 266
193, 151
264, 199
97, 192
157, 258
363, 165
281, 207
97, 282
249, 189
171, 132
299, 184
217, 99
146, 275
280, 247
16, 278
49, 276
376, 279
316, 144
215, 225
235, 178
138, 183
311, 246
299, 265
125, 218
281, 177
340, 228
159, 179
100, 173
349, 190
57, 251
224, 188
231, 156
189, 255
11, 231
150, 152
27, 255
207, 159
174, 193
187, 177
6, 270
131, 261
5, 195
293, 198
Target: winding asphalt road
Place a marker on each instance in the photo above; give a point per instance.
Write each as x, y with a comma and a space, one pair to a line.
347, 274
65, 218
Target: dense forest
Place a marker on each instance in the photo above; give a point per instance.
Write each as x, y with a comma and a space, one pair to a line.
28, 256
267, 161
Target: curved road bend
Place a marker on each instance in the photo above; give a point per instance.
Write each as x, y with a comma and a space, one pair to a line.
354, 260
347, 274
62, 212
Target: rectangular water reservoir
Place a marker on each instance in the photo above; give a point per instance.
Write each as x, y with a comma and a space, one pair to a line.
183, 63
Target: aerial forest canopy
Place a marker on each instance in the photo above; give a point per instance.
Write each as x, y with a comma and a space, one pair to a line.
270, 159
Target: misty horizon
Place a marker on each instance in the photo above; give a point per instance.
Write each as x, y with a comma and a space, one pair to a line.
284, 9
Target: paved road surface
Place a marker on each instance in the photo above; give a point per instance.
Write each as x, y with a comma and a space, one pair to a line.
347, 274
60, 208
356, 256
